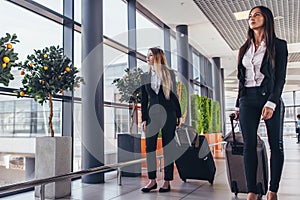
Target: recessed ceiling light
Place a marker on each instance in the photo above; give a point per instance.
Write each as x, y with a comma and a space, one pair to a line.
229, 81
278, 17
241, 15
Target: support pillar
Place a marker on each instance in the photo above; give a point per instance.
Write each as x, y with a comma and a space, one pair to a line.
92, 90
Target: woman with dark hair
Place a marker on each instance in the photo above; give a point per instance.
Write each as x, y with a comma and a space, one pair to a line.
262, 62
160, 111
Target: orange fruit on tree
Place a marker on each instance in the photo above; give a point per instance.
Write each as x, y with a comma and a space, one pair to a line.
45, 55
4, 65
22, 93
9, 46
67, 69
6, 59
45, 68
22, 72
30, 64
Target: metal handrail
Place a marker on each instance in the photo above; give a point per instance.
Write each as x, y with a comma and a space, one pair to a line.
215, 144
42, 182
45, 181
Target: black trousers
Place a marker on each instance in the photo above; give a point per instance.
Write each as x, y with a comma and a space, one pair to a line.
165, 121
251, 106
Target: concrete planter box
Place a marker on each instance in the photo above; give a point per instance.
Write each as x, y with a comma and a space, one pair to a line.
53, 157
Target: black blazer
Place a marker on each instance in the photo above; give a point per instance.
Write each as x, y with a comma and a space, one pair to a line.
274, 80
149, 97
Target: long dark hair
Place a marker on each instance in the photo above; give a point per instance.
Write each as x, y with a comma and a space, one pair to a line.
269, 35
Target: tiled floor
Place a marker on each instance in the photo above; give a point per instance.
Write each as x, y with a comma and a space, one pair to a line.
192, 189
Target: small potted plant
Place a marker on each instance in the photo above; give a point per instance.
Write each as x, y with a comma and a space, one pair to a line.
49, 72
8, 58
129, 90
129, 144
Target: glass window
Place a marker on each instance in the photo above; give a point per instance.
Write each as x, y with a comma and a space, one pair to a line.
288, 98
173, 63
148, 34
77, 137
115, 25
297, 98
196, 67
202, 69
143, 65
297, 111
77, 59
115, 62
289, 114
33, 31
77, 11
56, 5
21, 120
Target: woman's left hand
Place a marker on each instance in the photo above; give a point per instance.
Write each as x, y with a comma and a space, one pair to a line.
267, 113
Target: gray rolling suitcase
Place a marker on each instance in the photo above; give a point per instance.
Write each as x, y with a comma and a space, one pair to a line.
235, 163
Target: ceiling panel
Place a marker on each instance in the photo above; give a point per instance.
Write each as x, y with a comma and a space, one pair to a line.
220, 13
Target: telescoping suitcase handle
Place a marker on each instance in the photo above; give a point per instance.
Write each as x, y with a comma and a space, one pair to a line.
237, 148
194, 142
232, 117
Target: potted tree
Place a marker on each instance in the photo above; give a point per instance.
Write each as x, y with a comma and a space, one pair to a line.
129, 144
48, 72
8, 58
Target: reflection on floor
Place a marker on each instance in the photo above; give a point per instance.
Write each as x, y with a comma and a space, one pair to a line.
192, 189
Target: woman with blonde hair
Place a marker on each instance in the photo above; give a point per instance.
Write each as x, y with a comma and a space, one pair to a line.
160, 111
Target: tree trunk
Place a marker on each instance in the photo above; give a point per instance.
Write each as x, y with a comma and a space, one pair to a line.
132, 117
51, 115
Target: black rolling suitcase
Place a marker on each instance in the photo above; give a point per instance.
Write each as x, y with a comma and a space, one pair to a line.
195, 160
235, 162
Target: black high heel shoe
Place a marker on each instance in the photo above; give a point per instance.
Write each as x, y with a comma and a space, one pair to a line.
146, 190
165, 189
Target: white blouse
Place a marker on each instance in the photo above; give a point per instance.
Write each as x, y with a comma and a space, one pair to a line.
252, 61
155, 82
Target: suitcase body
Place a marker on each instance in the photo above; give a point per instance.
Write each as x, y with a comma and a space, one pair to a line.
196, 160
235, 163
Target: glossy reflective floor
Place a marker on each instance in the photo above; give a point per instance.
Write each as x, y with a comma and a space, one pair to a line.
192, 189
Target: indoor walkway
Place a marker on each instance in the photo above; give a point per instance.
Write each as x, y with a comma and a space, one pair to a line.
192, 189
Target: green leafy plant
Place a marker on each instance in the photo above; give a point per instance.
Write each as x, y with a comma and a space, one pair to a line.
182, 98
48, 72
205, 114
129, 89
8, 58
216, 117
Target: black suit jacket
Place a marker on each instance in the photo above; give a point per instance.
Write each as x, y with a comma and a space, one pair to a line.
149, 97
274, 80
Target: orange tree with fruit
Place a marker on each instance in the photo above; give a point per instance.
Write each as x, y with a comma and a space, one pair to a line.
8, 58
48, 72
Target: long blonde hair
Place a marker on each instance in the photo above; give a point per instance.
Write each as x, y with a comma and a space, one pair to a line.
160, 66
